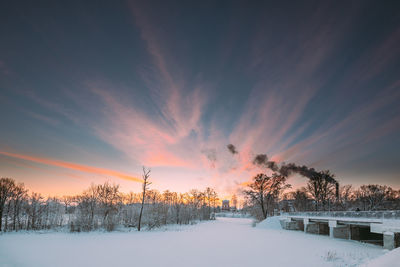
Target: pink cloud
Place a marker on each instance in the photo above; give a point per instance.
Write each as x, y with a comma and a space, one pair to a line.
73, 166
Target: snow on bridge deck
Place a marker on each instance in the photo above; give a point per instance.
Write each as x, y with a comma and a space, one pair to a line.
346, 220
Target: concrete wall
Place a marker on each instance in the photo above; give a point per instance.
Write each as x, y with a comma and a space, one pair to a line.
354, 233
340, 231
323, 228
312, 228
374, 233
300, 225
290, 225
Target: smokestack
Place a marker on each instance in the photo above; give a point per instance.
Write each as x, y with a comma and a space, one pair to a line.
337, 191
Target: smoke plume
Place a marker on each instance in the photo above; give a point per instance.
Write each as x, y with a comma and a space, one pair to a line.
232, 149
262, 161
211, 155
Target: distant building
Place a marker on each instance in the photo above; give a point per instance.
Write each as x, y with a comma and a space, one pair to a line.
225, 205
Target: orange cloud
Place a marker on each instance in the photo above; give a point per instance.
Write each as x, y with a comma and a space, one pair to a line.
164, 158
73, 166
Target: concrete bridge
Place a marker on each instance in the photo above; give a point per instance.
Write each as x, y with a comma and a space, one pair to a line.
370, 227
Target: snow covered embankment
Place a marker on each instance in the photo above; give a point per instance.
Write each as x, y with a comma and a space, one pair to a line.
271, 223
320, 250
391, 258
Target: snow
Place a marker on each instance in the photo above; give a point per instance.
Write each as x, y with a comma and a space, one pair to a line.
224, 242
348, 219
391, 258
271, 223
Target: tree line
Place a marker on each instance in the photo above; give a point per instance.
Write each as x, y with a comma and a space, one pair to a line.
364, 198
102, 206
266, 193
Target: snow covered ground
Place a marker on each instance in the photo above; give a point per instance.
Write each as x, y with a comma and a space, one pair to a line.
224, 242
390, 259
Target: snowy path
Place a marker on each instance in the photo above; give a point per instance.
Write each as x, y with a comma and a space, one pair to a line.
225, 242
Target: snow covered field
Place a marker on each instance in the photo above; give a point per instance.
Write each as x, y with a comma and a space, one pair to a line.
224, 242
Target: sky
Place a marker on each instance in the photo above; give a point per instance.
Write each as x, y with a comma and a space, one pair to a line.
92, 91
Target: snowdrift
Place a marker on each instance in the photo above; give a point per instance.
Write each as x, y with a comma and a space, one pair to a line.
271, 223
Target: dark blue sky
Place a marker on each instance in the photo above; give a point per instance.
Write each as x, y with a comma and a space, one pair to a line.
112, 85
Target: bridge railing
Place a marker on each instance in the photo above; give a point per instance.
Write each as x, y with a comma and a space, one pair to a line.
387, 215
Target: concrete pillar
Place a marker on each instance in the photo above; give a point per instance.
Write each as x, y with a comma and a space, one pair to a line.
306, 221
332, 224
391, 240
388, 240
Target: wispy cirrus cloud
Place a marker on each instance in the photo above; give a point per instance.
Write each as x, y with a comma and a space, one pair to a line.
169, 90
180, 102
145, 139
170, 135
73, 166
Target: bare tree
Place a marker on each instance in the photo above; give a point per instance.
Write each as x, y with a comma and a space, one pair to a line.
373, 194
20, 194
102, 206
145, 186
7, 186
210, 196
108, 197
67, 200
177, 200
321, 186
264, 190
346, 196
87, 204
35, 210
300, 197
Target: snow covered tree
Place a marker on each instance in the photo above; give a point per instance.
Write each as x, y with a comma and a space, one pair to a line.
108, 197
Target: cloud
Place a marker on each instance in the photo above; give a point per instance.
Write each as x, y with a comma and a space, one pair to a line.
73, 166
170, 131
146, 139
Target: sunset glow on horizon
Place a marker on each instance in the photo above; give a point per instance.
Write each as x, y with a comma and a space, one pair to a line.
92, 92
